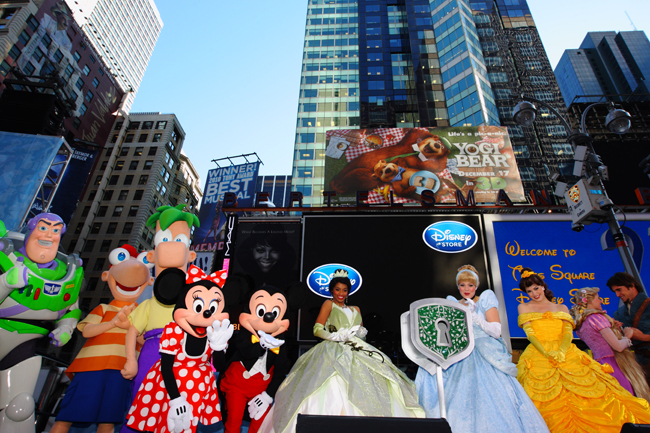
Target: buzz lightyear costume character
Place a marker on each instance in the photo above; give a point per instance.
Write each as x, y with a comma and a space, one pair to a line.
39, 290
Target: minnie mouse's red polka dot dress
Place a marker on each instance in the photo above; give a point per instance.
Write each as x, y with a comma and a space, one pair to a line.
194, 379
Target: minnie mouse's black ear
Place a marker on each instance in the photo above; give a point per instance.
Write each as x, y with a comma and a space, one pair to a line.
296, 293
168, 285
236, 288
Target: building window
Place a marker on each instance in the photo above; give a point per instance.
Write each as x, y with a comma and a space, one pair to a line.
489, 46
83, 109
92, 58
58, 55
305, 172
79, 84
498, 77
119, 165
4, 68
119, 125
105, 246
538, 80
143, 138
128, 180
157, 137
108, 195
89, 96
86, 70
85, 211
138, 151
564, 149
129, 138
124, 151
38, 54
148, 164
76, 56
533, 65
134, 165
67, 73
114, 138
138, 194
99, 264
494, 61
111, 228
101, 71
102, 211
501, 94
520, 151
133, 211
152, 151
123, 194
95, 83
29, 68
147, 125
114, 179
90, 244
76, 123
24, 37
127, 228
544, 96
527, 173
556, 130
118, 211
143, 179
529, 51
161, 124
78, 229
14, 52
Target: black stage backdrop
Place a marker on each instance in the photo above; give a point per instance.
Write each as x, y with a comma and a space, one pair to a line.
396, 265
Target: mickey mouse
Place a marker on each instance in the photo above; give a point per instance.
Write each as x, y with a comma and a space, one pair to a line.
179, 391
259, 364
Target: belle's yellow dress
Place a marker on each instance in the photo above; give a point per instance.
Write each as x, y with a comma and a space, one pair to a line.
579, 394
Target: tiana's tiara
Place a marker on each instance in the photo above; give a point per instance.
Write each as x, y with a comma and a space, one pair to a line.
340, 273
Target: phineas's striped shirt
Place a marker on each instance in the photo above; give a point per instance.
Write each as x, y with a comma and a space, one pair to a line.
105, 351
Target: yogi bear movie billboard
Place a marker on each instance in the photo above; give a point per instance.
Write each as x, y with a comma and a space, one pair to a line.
237, 179
403, 162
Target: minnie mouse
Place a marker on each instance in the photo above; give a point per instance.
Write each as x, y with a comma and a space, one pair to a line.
179, 391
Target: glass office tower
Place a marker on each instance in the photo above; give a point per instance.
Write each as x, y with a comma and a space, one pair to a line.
607, 63
411, 63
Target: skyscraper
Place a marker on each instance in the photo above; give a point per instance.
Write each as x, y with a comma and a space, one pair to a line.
124, 32
411, 63
141, 168
607, 63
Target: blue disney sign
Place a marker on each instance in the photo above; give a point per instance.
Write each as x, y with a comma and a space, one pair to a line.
319, 279
450, 237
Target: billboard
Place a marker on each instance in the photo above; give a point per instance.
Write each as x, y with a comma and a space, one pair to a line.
394, 258
398, 164
237, 179
25, 160
567, 259
72, 184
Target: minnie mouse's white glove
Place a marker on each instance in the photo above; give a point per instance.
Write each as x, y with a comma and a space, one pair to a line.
267, 341
259, 404
219, 334
179, 417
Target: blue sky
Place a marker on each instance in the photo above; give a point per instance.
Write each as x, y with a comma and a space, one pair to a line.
230, 71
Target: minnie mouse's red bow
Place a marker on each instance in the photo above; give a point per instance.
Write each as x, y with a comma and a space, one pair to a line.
194, 274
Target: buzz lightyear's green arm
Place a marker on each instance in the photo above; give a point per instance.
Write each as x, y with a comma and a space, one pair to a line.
3, 229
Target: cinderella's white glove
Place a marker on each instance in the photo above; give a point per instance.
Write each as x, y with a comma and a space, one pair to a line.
493, 329
469, 303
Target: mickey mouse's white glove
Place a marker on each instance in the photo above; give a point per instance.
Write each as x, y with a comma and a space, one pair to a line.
267, 341
259, 404
179, 417
219, 334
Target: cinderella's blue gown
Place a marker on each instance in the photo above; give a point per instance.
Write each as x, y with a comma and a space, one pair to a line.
481, 391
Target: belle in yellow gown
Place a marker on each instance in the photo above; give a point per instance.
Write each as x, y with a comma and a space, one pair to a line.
572, 392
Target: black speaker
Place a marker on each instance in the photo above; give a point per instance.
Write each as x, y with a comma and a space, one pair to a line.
628, 427
370, 424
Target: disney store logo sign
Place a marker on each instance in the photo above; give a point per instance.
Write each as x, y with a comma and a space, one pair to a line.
450, 237
319, 279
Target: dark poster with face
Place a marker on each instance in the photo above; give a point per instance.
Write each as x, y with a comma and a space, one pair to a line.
399, 259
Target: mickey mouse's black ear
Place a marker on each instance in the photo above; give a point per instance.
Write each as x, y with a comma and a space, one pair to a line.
168, 285
236, 288
296, 293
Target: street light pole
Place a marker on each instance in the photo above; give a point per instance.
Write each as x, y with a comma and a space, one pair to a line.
618, 121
